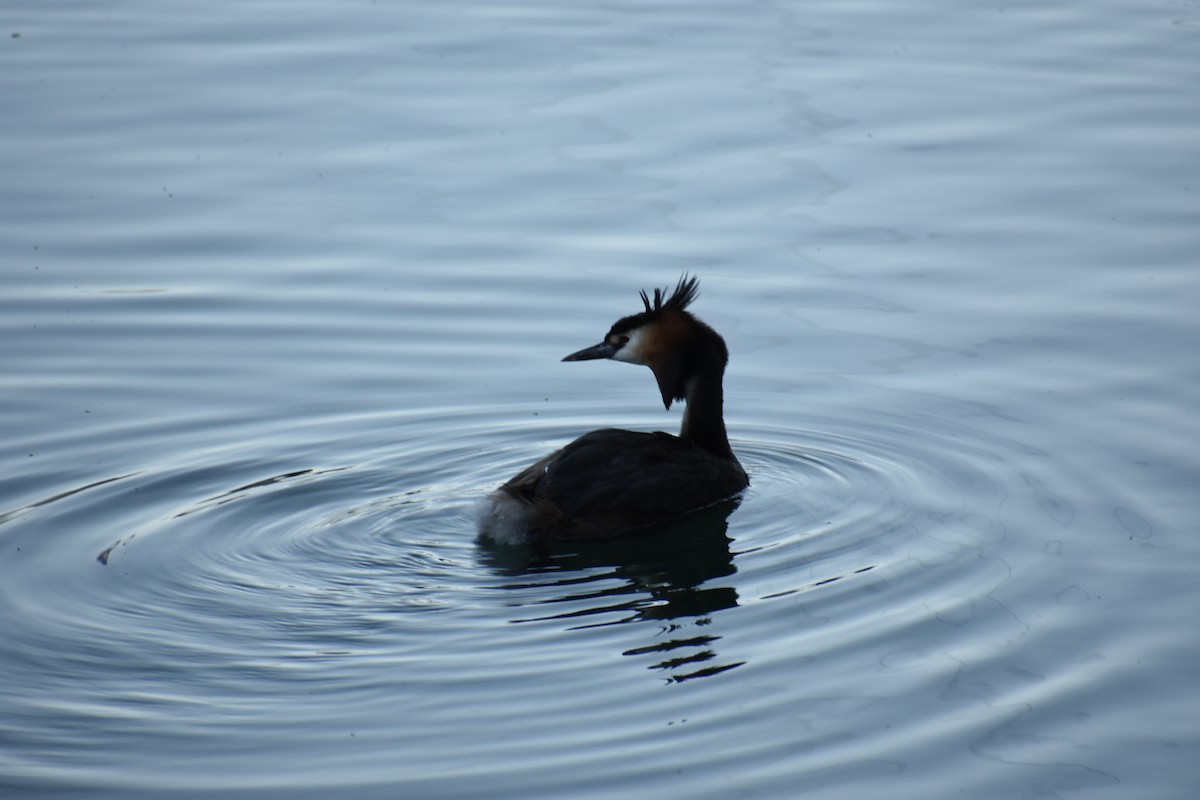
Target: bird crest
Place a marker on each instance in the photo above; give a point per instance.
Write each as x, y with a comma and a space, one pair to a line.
686, 291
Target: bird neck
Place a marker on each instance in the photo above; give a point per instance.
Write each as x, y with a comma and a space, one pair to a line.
703, 418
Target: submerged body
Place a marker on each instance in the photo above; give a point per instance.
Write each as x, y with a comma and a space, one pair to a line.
611, 482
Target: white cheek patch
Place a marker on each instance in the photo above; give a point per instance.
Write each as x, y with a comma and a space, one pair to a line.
632, 352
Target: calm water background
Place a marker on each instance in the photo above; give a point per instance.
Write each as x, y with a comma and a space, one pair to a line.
284, 290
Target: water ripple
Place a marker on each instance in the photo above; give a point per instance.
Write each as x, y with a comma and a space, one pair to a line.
336, 571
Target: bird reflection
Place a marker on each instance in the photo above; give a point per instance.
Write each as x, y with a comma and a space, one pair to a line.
664, 577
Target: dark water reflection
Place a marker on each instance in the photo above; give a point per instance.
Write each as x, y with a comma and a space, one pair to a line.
665, 576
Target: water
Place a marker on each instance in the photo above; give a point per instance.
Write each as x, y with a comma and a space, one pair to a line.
285, 289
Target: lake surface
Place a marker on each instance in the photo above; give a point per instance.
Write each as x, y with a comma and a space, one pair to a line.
285, 286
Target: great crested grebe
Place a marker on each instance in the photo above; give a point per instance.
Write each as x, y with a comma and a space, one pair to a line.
611, 482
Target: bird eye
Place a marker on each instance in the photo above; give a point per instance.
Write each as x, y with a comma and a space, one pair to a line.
624, 339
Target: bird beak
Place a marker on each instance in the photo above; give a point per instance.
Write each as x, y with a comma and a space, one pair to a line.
602, 350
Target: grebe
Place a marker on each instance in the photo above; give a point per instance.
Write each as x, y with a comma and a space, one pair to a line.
611, 482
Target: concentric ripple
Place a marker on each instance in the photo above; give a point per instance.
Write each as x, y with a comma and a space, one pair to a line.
252, 593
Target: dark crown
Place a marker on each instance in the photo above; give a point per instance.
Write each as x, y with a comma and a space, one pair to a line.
686, 291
